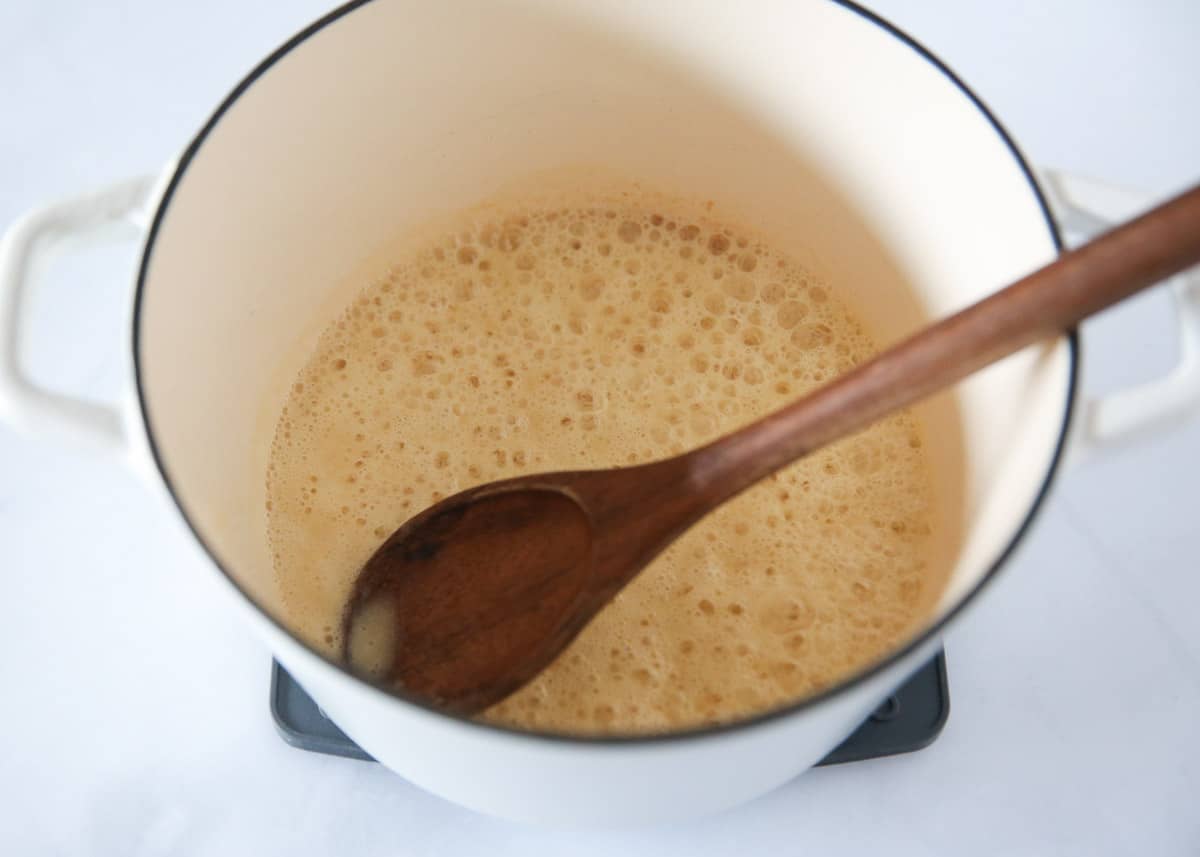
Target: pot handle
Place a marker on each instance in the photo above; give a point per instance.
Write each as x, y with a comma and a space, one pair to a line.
115, 211
1087, 207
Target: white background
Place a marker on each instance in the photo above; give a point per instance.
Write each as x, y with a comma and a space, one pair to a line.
133, 716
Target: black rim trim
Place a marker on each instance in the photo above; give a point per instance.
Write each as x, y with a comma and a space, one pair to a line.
693, 734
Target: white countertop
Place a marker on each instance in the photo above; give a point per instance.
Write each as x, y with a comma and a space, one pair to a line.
134, 717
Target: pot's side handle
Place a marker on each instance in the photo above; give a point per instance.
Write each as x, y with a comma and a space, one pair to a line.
1088, 207
115, 211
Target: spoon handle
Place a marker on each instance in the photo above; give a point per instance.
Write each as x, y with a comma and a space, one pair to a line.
1120, 263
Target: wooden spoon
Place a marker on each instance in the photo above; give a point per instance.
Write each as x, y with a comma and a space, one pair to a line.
473, 597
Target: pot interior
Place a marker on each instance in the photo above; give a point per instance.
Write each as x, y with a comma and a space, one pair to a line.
826, 131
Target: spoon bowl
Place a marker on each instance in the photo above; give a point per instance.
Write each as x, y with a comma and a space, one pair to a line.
497, 599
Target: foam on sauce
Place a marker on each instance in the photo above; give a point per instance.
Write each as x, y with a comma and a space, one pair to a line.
603, 331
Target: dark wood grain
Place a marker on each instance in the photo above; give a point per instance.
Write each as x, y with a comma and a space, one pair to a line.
488, 586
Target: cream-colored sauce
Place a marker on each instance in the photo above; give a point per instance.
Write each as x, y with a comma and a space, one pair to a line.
596, 332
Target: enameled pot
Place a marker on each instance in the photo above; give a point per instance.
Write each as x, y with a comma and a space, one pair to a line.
825, 125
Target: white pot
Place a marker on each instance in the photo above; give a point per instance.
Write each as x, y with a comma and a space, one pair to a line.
819, 121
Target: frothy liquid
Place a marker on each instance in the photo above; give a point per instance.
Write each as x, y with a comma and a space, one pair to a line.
598, 332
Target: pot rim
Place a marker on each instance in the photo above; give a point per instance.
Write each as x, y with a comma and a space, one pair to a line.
849, 683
